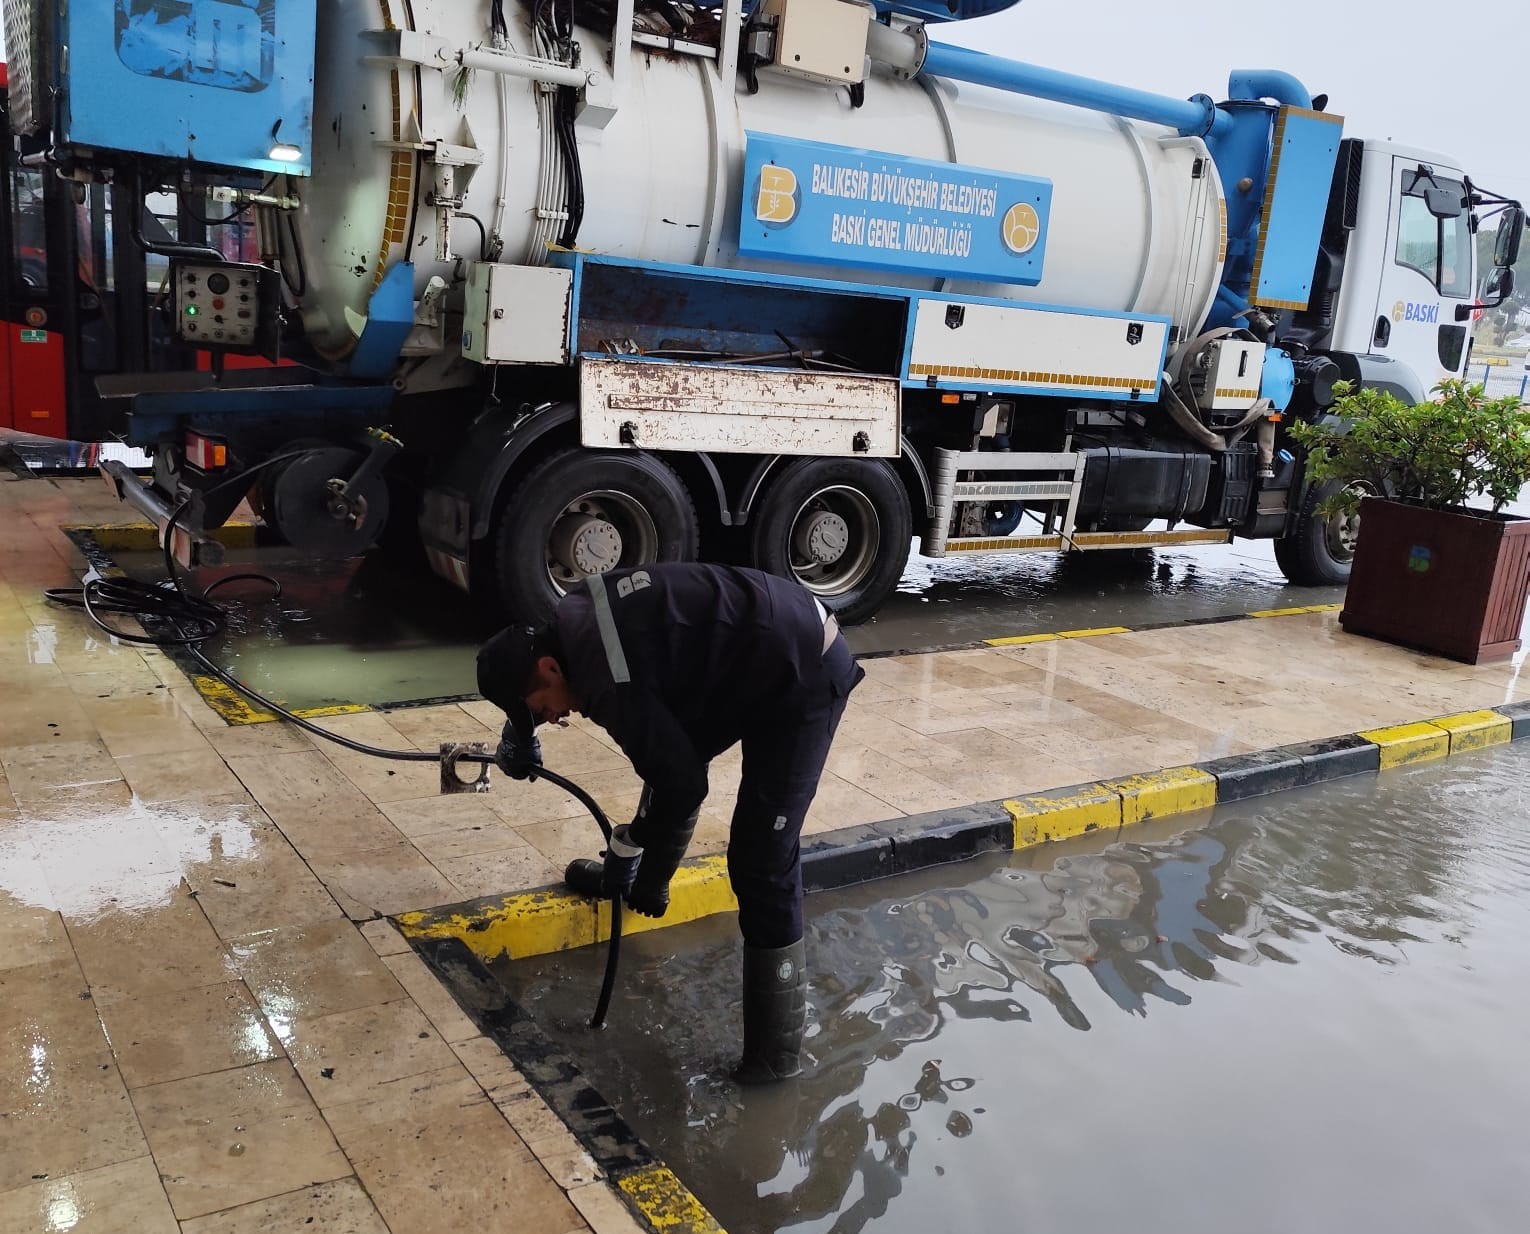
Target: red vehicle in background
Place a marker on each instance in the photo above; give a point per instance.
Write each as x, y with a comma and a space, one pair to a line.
80, 298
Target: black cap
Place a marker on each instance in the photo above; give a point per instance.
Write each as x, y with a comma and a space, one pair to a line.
505, 665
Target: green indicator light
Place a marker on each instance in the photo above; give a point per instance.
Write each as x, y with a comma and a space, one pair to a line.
192, 310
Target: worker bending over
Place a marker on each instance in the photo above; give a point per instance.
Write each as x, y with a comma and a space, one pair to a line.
678, 663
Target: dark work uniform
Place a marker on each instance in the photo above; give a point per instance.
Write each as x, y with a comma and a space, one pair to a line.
679, 663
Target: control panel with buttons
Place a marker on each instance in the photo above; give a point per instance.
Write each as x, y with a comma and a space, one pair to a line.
226, 307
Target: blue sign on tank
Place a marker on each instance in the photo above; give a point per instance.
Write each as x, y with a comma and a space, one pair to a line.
841, 206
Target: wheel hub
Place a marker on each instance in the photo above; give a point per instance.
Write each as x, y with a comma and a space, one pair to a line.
586, 543
823, 537
1342, 530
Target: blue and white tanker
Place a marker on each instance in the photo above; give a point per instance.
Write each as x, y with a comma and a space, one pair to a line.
575, 284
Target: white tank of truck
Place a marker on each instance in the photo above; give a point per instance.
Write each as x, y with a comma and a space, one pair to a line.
1137, 219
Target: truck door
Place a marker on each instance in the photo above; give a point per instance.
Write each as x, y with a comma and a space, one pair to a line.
1429, 268
32, 353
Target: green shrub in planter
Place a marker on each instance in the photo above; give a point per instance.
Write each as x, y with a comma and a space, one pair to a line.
1440, 454
1431, 571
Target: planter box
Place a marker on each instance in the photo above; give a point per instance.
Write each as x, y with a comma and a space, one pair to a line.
1454, 584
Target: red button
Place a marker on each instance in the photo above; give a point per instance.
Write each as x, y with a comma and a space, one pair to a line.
217, 304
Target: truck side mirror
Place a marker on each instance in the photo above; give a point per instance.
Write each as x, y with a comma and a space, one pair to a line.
1443, 203
1511, 230
1498, 288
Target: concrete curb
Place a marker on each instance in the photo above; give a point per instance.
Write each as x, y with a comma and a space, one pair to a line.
549, 919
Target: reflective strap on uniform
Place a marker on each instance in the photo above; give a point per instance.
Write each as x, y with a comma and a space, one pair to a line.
605, 622
830, 625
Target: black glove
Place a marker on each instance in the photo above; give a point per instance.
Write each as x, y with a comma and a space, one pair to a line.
520, 750
622, 858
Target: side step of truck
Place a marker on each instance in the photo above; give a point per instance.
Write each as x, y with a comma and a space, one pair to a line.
1056, 479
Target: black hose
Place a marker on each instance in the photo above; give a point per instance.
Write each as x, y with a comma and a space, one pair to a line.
196, 618
483, 233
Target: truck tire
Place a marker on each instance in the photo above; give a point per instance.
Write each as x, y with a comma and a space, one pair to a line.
840, 527
583, 512
1320, 548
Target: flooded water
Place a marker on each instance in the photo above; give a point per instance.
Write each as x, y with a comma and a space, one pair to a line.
1308, 1013
361, 631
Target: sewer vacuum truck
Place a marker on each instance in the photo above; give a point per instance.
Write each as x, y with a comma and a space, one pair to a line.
553, 287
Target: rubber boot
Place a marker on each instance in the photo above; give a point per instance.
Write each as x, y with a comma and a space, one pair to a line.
650, 894
775, 1013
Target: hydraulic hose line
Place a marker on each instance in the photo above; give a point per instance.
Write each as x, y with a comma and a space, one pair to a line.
195, 618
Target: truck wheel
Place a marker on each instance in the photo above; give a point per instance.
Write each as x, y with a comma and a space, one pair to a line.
583, 512
840, 527
1320, 548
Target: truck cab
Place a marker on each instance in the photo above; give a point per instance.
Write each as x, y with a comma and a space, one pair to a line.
1408, 268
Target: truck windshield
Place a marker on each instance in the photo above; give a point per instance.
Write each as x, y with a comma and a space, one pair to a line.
1439, 249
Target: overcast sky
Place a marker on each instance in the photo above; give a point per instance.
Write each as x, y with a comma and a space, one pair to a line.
1445, 76
1442, 75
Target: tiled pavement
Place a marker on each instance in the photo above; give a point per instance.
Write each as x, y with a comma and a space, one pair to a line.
205, 1023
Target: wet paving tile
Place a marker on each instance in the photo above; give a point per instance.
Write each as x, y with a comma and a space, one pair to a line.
305, 972
384, 937
603, 1210
257, 740
448, 847
234, 1137
41, 717
340, 1207
245, 874
114, 1199
841, 804
60, 1115
392, 879
46, 1017
408, 1154
58, 778
188, 1033
522, 802
185, 774
317, 808
151, 724
564, 840
427, 727
431, 997
94, 864
513, 869
889, 780
346, 1056
153, 940
428, 816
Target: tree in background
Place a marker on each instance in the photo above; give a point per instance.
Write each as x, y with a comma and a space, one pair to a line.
1511, 317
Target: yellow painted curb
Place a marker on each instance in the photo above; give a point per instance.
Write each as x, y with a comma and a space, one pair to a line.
1095, 633
144, 537
666, 1203
699, 889
1070, 812
1403, 744
236, 709
1022, 639
1475, 730
531, 923
540, 922
1176, 790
